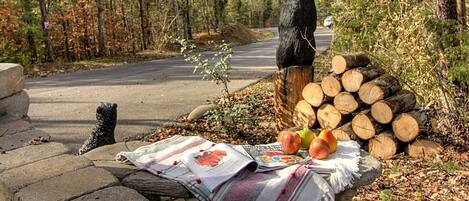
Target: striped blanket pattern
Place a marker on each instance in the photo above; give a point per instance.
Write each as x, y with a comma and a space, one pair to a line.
295, 183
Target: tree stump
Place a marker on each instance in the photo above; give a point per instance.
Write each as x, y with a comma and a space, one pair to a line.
289, 84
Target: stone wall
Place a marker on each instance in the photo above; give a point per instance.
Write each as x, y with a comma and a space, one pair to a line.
14, 101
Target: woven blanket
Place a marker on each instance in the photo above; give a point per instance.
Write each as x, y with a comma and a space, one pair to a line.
294, 183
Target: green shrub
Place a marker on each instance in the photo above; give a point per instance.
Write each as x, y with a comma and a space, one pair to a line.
403, 38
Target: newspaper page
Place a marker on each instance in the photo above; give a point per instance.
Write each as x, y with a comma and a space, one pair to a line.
271, 157
216, 165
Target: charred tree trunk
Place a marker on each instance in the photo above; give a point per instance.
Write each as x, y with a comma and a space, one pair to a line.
101, 29
296, 32
295, 56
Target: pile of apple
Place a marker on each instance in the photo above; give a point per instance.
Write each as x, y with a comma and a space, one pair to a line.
319, 147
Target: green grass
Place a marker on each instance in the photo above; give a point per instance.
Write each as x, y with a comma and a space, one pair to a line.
451, 167
385, 195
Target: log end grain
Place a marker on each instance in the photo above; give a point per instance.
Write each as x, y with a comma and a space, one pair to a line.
423, 148
364, 126
346, 103
328, 116
331, 85
407, 126
352, 80
304, 116
381, 112
383, 146
370, 93
339, 64
313, 94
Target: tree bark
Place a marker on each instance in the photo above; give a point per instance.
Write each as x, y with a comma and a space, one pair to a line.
289, 84
342, 63
142, 24
101, 29
407, 126
187, 21
384, 110
354, 78
379, 89
49, 53
461, 8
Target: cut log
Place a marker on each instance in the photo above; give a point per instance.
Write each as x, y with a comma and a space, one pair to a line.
331, 85
383, 146
345, 132
289, 84
423, 148
364, 126
313, 94
347, 103
328, 116
304, 116
407, 126
344, 62
379, 89
384, 110
354, 78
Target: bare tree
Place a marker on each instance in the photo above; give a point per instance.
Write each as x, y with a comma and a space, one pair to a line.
49, 54
101, 29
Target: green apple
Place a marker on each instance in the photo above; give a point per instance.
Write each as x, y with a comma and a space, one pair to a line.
307, 136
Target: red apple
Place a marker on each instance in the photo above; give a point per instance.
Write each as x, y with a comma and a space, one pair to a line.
290, 141
327, 136
319, 149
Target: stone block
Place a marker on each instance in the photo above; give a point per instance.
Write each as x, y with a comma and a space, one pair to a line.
21, 139
11, 79
5, 193
11, 125
109, 152
30, 154
118, 169
20, 177
114, 193
69, 185
15, 105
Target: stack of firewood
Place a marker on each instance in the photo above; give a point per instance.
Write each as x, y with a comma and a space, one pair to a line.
359, 101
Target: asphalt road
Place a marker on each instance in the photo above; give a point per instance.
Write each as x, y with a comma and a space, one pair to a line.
148, 94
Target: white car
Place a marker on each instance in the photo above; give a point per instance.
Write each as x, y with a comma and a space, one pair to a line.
328, 22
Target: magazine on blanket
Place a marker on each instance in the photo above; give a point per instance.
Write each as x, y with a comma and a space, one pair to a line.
221, 162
